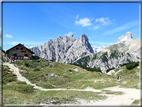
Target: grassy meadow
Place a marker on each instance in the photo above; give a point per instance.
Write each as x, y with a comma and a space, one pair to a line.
53, 75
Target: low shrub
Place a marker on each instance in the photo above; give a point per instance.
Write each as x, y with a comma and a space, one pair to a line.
26, 64
8, 76
36, 69
87, 68
132, 65
70, 70
36, 57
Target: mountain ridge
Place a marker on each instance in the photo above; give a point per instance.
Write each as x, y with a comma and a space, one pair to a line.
124, 51
71, 50
65, 50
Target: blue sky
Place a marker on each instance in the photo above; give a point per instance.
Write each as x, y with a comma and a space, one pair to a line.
33, 24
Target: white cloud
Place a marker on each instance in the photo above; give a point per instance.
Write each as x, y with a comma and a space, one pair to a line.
33, 43
77, 16
89, 28
123, 27
104, 21
68, 34
84, 22
31, 46
13, 43
95, 27
8, 36
102, 43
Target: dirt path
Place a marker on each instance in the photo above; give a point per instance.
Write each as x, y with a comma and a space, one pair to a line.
126, 99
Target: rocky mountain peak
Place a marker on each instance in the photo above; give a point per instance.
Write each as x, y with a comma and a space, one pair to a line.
59, 36
83, 38
72, 38
50, 40
66, 38
128, 37
40, 47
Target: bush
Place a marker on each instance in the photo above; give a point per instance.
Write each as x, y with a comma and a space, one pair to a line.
26, 89
36, 57
36, 69
132, 65
27, 65
70, 70
87, 68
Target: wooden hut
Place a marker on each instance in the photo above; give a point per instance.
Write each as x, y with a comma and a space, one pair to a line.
20, 52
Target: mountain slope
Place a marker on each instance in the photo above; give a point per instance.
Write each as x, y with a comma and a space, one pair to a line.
124, 51
65, 50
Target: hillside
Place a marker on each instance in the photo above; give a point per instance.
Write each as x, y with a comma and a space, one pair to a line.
55, 75
124, 51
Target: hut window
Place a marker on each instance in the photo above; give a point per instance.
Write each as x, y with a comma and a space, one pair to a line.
17, 48
21, 48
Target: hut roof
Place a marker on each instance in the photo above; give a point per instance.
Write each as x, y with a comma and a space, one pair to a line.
19, 45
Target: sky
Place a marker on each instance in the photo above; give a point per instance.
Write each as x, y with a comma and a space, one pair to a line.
34, 24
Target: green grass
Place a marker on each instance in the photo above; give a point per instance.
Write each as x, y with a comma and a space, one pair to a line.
66, 77
17, 92
8, 76
20, 87
48, 97
135, 102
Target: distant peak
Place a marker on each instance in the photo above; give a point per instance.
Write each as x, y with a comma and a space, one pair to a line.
72, 35
72, 38
59, 36
39, 45
83, 37
65, 36
125, 38
129, 35
50, 40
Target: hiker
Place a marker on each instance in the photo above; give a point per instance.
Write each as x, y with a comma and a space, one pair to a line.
12, 59
119, 78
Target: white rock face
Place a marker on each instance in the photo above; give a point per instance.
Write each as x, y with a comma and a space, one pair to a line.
111, 72
98, 49
126, 38
65, 50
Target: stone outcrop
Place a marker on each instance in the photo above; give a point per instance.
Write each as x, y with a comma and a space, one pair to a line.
65, 50
128, 37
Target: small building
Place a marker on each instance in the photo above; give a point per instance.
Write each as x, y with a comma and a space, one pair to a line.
20, 51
